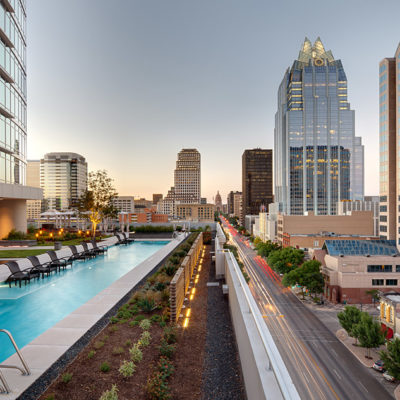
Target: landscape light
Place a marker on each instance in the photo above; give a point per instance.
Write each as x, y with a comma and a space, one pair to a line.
51, 234
40, 232
79, 232
37, 235
191, 297
186, 322
193, 290
188, 312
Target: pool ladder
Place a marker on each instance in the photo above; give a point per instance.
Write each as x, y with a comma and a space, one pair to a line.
25, 370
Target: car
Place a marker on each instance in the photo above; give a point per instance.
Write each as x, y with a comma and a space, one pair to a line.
378, 366
388, 377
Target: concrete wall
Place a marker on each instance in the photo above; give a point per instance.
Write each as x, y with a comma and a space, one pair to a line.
187, 224
12, 216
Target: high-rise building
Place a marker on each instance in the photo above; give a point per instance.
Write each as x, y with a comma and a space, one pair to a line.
187, 182
13, 192
318, 159
256, 181
237, 204
187, 177
63, 178
389, 168
230, 201
218, 202
33, 207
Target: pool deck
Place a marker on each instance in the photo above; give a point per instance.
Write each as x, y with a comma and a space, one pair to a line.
45, 350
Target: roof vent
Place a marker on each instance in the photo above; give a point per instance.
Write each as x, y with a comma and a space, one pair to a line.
367, 255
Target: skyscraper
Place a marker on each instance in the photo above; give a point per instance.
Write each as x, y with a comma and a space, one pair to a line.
13, 192
187, 182
187, 177
389, 130
256, 181
33, 207
318, 159
63, 178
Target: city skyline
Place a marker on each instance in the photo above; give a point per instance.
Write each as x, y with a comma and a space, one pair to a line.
180, 85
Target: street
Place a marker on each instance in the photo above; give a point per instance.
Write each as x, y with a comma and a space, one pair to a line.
320, 366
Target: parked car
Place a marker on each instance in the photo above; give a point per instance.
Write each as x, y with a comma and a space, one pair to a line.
388, 377
379, 366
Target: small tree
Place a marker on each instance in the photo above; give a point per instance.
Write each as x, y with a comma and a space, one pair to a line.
391, 358
348, 319
285, 260
369, 333
96, 203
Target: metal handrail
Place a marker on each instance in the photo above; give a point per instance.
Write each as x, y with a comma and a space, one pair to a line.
275, 361
24, 371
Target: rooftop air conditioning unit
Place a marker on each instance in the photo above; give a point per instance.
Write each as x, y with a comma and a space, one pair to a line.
367, 255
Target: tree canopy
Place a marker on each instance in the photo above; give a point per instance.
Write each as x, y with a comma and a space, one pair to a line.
96, 203
391, 358
264, 249
285, 260
349, 318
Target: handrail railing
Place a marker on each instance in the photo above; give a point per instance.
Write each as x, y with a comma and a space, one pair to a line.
24, 371
275, 361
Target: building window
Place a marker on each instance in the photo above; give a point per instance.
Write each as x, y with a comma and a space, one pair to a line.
377, 282
383, 199
379, 268
391, 282
383, 208
383, 228
383, 218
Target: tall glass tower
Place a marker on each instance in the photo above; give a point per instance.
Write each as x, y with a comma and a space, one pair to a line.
318, 159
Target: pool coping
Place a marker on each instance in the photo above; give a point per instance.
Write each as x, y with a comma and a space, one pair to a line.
50, 352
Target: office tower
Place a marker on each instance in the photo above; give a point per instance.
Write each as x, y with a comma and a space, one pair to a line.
187, 177
63, 178
13, 192
218, 202
157, 197
33, 207
389, 168
256, 181
230, 201
237, 204
318, 159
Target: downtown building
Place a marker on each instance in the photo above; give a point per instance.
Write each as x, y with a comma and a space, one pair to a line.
63, 178
318, 159
256, 182
187, 182
13, 129
389, 159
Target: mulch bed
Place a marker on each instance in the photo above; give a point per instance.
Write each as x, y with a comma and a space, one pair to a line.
88, 382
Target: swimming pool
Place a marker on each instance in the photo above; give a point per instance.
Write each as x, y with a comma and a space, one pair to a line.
29, 311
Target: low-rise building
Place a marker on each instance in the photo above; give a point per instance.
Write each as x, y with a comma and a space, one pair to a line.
389, 317
125, 203
195, 212
360, 223
351, 268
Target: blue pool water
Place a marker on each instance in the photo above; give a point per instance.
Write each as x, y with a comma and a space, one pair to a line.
29, 311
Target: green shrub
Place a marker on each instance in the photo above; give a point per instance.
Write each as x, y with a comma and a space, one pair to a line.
147, 305
16, 235
91, 354
124, 314
140, 317
50, 397
134, 323
151, 229
98, 344
157, 387
145, 324
145, 338
117, 350
174, 260
181, 253
165, 367
111, 394
134, 309
66, 377
159, 286
105, 366
170, 334
127, 369
155, 318
162, 324
166, 350
114, 320
135, 353
113, 328
169, 269
128, 343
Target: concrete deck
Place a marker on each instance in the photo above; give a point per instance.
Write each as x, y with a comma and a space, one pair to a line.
45, 350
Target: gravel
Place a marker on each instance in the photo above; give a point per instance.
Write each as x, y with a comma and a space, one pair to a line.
222, 377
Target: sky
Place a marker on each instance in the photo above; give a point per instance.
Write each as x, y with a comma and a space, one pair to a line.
129, 83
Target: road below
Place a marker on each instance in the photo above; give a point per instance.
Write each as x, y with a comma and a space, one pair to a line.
320, 366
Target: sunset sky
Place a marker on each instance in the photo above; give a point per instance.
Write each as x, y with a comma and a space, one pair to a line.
129, 83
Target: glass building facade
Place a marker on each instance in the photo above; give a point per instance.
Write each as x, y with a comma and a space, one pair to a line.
63, 178
318, 159
12, 92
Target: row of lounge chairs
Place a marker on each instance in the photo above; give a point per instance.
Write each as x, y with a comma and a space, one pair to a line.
123, 238
55, 263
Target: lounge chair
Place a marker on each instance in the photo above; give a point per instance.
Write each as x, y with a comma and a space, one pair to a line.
127, 238
78, 255
59, 262
121, 239
99, 249
90, 252
41, 268
18, 276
